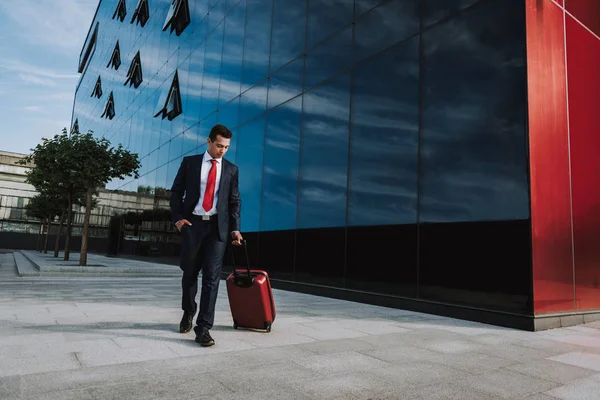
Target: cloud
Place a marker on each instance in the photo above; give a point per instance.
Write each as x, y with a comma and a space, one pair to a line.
40, 42
14, 65
36, 80
35, 75
62, 24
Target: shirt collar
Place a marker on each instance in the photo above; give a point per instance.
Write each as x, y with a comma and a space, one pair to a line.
207, 157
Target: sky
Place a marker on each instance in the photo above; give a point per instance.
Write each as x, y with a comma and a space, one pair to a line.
40, 43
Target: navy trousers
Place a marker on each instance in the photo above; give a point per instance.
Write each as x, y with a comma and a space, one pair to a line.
201, 250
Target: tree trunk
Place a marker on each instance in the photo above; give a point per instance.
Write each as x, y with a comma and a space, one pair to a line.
38, 246
86, 225
69, 224
47, 234
57, 244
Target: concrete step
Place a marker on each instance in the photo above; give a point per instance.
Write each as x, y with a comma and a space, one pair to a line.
24, 266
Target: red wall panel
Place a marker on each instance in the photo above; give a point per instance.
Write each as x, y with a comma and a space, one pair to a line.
553, 282
583, 70
587, 12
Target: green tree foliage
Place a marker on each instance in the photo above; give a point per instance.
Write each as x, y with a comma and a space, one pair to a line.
45, 206
95, 163
77, 165
50, 174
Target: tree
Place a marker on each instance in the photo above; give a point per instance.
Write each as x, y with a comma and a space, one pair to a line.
53, 172
34, 209
93, 164
45, 206
76, 166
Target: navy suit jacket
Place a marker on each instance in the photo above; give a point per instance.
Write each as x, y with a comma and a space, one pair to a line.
185, 194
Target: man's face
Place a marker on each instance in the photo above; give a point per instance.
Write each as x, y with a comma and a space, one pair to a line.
219, 147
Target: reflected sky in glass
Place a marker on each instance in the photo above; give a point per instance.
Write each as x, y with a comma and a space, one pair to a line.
323, 98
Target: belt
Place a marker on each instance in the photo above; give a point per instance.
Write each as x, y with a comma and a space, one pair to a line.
205, 217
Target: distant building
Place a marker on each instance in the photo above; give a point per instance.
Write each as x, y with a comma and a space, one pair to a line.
15, 193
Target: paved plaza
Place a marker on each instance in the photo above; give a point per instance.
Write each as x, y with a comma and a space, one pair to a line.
96, 336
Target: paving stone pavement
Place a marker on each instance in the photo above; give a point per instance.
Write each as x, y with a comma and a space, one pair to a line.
116, 338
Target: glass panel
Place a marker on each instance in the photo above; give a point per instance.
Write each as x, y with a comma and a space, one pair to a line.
216, 14
204, 130
161, 178
396, 269
212, 71
329, 58
276, 253
326, 17
257, 43
231, 68
289, 26
163, 154
385, 25
324, 156
320, 256
249, 158
384, 140
362, 6
188, 115
474, 137
194, 92
286, 83
155, 134
176, 147
474, 182
189, 139
280, 176
172, 169
435, 10
253, 102
229, 114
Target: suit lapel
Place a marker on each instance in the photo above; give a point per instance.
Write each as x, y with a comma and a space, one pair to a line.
224, 171
199, 171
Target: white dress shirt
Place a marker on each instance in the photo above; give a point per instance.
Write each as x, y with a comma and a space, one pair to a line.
206, 166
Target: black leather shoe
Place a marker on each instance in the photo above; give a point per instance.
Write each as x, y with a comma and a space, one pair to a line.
186, 322
204, 338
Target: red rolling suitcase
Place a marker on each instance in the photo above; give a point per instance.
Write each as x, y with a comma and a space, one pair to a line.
250, 297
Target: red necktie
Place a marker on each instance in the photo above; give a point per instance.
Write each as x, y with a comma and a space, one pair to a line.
209, 193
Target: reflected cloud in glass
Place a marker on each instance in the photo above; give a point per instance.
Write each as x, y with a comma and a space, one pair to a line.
324, 156
257, 41
286, 83
474, 138
326, 17
233, 47
288, 32
280, 174
384, 142
249, 157
385, 25
436, 10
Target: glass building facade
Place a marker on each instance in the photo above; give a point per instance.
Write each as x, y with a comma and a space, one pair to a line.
382, 145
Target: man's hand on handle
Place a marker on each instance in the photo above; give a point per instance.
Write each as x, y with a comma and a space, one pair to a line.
179, 224
237, 238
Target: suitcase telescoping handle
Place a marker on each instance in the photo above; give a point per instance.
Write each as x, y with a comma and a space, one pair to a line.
235, 273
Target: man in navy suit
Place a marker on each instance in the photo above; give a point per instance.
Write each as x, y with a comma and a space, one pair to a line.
205, 207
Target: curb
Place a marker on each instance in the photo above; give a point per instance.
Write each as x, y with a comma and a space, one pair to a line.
25, 266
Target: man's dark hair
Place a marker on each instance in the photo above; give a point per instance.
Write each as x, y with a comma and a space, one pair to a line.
219, 130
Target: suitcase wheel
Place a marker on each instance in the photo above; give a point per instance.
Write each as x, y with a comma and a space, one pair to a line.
235, 325
268, 327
